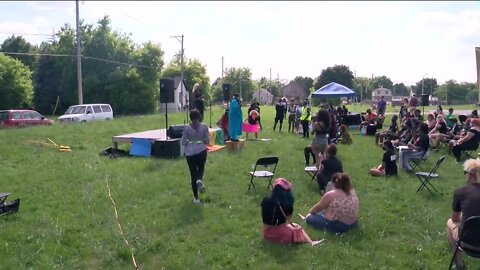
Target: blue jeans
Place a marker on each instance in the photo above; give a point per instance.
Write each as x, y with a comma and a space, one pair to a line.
320, 222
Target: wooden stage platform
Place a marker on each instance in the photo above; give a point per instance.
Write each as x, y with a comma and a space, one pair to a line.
155, 135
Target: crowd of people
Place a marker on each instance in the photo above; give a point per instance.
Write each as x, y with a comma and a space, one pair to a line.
337, 210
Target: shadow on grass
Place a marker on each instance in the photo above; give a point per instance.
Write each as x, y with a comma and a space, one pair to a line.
188, 214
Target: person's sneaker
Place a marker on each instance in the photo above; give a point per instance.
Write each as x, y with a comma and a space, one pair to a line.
200, 186
196, 201
433, 149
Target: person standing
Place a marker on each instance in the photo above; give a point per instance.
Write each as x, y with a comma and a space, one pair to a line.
198, 99
280, 113
235, 118
305, 118
413, 101
466, 203
291, 116
195, 138
381, 106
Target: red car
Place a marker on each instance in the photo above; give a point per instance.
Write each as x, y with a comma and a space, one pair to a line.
22, 118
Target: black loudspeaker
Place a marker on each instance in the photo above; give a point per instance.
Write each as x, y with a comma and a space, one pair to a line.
175, 131
424, 101
227, 89
167, 149
167, 91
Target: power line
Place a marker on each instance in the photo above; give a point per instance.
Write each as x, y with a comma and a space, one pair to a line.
25, 34
73, 55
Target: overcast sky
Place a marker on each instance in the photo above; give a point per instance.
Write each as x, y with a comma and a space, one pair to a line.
402, 40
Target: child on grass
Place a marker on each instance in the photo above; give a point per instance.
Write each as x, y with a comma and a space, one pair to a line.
389, 165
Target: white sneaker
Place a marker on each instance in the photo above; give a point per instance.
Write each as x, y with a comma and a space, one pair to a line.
200, 186
196, 201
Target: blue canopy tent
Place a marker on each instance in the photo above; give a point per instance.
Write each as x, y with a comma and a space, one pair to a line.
333, 90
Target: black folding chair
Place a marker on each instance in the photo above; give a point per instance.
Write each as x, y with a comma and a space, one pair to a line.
263, 162
469, 239
312, 172
425, 177
415, 162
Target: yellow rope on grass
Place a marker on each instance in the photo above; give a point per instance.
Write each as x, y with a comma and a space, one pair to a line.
119, 225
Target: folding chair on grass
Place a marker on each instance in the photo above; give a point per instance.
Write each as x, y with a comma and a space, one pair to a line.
415, 162
312, 172
469, 239
425, 177
263, 162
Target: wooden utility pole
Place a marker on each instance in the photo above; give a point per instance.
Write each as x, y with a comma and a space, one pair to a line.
79, 58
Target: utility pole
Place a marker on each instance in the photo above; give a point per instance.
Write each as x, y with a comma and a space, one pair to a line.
184, 96
79, 59
270, 85
222, 67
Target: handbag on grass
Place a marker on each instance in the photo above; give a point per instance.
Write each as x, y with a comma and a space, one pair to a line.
298, 233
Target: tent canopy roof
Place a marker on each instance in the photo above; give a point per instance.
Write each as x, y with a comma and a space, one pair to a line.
333, 90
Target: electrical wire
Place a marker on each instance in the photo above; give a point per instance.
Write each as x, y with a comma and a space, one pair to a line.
84, 57
25, 34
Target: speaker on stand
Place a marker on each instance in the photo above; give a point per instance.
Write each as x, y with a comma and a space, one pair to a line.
424, 102
167, 95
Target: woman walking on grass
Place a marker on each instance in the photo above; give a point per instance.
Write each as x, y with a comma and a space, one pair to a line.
195, 138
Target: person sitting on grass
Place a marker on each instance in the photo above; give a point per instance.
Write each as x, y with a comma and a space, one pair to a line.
466, 203
329, 165
337, 210
344, 136
389, 162
390, 132
431, 123
276, 214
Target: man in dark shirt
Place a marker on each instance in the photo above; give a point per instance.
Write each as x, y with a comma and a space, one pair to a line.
280, 113
466, 203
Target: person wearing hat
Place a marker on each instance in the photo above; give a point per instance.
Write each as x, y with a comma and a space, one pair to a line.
389, 164
277, 210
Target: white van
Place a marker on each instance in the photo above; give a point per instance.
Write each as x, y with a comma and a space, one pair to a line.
87, 113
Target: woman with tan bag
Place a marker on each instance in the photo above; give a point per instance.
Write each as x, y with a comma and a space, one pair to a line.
276, 213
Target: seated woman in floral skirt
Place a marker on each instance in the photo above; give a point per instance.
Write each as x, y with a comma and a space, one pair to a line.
337, 210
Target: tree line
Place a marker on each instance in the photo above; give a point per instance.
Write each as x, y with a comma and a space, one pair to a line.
117, 71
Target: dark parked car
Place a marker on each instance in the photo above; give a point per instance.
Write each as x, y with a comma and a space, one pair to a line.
22, 118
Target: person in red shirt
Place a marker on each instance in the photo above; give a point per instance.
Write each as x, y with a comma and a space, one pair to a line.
370, 118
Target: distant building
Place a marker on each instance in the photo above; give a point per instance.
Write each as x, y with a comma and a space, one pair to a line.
181, 99
386, 93
263, 96
293, 90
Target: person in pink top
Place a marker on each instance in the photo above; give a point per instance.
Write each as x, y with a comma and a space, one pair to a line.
337, 211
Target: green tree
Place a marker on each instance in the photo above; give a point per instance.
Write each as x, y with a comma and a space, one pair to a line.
18, 44
399, 89
339, 73
16, 87
452, 92
194, 72
428, 85
382, 81
243, 75
362, 86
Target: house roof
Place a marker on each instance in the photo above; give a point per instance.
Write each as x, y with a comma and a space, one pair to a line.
292, 89
382, 88
263, 91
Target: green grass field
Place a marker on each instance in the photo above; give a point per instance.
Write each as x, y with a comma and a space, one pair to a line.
66, 219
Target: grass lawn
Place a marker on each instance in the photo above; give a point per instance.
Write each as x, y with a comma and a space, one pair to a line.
66, 220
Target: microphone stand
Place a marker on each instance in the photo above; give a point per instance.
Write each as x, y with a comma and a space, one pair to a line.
210, 103
187, 105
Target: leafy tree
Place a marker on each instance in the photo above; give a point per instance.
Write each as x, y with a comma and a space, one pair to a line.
429, 85
16, 87
243, 75
339, 73
399, 89
272, 86
452, 92
382, 81
363, 87
18, 44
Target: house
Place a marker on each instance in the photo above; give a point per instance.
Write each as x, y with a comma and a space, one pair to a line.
181, 97
386, 93
293, 90
263, 96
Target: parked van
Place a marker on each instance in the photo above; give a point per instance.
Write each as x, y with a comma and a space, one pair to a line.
87, 113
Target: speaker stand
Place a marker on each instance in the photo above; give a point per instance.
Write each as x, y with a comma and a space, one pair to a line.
423, 112
210, 114
187, 105
166, 119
